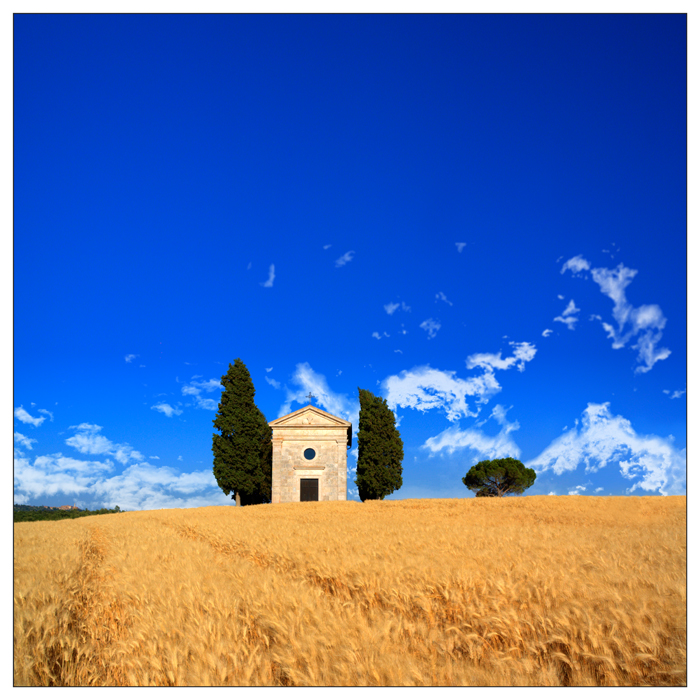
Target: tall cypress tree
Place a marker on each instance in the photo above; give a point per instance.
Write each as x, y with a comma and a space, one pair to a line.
379, 449
243, 449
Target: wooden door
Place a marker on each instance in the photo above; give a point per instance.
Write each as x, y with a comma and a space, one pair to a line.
308, 490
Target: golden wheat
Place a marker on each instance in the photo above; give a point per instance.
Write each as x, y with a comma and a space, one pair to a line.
566, 590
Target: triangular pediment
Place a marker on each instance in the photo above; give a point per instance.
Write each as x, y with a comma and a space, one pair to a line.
310, 416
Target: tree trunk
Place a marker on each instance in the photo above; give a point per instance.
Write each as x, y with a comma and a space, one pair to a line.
238, 498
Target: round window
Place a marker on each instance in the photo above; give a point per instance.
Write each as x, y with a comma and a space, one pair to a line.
309, 453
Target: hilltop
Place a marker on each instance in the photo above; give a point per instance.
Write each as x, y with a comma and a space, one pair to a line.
565, 590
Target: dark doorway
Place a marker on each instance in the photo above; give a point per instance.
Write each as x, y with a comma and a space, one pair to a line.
309, 490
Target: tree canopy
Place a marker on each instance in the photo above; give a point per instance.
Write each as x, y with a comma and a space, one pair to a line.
499, 477
243, 449
379, 449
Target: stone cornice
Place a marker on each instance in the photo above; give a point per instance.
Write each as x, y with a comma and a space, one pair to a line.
310, 418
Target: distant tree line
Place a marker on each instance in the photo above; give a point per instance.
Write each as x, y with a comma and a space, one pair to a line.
26, 514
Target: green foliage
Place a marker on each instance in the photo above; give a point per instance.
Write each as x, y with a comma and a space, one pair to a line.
27, 514
379, 449
499, 477
243, 449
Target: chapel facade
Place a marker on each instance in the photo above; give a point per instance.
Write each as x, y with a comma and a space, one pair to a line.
309, 456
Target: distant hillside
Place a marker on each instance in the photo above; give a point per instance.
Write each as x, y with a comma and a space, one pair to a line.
24, 513
48, 508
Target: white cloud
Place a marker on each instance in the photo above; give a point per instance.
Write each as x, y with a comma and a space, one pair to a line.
643, 322
48, 413
22, 415
646, 345
646, 321
312, 382
486, 446
139, 487
87, 427
460, 247
523, 352
179, 459
401, 351
24, 441
424, 388
676, 394
570, 309
89, 441
129, 358
50, 475
344, 259
560, 296
441, 296
546, 333
269, 369
390, 308
378, 336
273, 382
599, 489
154, 457
145, 487
212, 384
577, 490
568, 317
431, 326
327, 246
195, 388
167, 409
271, 277
577, 264
602, 439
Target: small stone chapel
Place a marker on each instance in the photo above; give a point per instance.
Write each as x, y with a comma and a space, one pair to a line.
309, 456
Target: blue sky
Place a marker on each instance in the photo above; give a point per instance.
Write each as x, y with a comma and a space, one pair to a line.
481, 218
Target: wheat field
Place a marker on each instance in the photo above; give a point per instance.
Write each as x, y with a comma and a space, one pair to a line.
536, 590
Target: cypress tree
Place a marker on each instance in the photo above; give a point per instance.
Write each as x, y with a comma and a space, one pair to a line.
243, 449
379, 449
